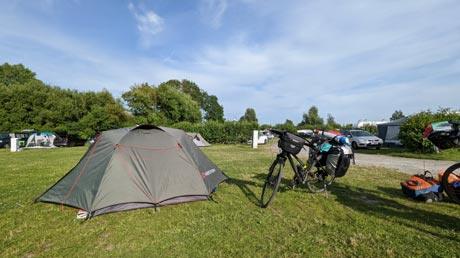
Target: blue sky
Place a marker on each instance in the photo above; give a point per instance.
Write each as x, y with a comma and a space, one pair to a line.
351, 59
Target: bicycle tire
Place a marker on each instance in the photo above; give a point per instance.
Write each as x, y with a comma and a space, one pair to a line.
318, 181
272, 183
452, 192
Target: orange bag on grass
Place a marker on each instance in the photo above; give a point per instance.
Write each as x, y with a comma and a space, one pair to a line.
452, 177
422, 187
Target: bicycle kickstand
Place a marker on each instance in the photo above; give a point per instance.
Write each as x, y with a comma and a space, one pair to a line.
325, 190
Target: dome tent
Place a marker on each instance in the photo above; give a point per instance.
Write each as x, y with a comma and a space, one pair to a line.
199, 140
40, 140
132, 168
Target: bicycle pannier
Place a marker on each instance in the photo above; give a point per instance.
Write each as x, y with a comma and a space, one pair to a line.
337, 162
291, 143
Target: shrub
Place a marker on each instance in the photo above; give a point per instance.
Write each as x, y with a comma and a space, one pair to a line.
411, 132
217, 132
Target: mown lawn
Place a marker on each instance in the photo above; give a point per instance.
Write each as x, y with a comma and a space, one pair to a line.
363, 215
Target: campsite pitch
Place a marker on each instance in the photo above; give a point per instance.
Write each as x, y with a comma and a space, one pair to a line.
364, 215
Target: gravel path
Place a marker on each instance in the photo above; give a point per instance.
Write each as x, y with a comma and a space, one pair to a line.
404, 165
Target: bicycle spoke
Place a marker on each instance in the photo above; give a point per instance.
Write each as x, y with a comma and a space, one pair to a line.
318, 181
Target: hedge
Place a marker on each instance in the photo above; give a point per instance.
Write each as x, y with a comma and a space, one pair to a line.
217, 132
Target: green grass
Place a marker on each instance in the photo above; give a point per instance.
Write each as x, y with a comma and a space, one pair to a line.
364, 215
450, 154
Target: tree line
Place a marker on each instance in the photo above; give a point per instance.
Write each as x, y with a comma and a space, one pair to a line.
28, 103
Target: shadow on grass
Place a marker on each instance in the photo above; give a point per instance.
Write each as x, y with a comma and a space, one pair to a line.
259, 179
259, 182
371, 202
245, 187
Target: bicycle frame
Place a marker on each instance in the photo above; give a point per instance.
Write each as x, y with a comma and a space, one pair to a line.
292, 158
311, 174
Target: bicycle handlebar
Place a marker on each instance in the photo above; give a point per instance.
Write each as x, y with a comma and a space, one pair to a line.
277, 131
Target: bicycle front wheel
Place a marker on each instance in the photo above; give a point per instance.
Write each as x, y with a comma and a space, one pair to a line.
318, 180
451, 182
272, 183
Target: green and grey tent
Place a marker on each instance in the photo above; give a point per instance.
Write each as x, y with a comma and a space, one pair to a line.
132, 168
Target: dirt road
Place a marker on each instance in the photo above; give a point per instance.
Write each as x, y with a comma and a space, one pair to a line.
405, 165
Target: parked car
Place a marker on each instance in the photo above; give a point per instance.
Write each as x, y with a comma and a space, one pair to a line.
363, 139
5, 140
263, 138
68, 140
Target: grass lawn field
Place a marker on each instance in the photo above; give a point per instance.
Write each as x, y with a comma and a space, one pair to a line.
364, 215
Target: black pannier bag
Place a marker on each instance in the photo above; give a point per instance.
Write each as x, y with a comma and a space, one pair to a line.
444, 135
291, 143
337, 160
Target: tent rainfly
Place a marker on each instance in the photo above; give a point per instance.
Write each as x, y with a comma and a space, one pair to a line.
132, 168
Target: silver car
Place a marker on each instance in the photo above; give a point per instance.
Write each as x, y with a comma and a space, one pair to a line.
363, 139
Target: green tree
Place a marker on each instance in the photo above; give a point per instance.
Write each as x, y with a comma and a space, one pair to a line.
312, 119
177, 106
11, 74
143, 103
28, 103
101, 118
331, 124
249, 116
213, 110
398, 114
371, 128
288, 125
192, 89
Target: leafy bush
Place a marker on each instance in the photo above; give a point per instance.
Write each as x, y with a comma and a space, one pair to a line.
411, 132
372, 129
217, 132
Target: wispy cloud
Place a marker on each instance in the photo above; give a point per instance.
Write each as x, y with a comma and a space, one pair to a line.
213, 11
149, 24
355, 60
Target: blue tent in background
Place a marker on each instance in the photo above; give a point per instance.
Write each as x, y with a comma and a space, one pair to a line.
40, 140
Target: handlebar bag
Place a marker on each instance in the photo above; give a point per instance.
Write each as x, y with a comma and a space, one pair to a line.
291, 143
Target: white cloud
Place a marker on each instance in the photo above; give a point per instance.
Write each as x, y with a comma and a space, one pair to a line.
384, 55
212, 12
360, 60
149, 24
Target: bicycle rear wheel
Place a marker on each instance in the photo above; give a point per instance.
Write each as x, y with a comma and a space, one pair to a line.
272, 183
317, 181
451, 182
